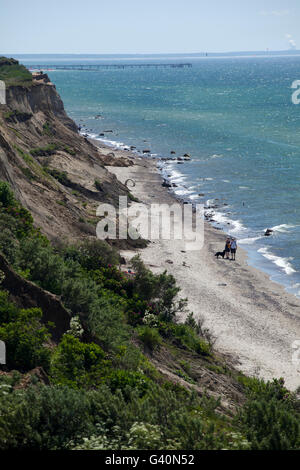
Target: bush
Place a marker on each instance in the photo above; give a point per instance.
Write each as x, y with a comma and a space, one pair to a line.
159, 291
98, 185
24, 337
45, 267
8, 310
107, 323
186, 336
270, 419
6, 195
258, 388
60, 176
112, 279
16, 220
48, 129
150, 338
94, 254
80, 295
144, 436
45, 151
77, 364
270, 425
43, 418
124, 380
24, 221
8, 244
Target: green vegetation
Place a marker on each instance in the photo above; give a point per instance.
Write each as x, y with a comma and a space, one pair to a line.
62, 203
60, 176
102, 392
26, 157
45, 151
24, 336
271, 417
16, 115
51, 149
150, 337
35, 171
47, 129
77, 364
14, 74
98, 185
68, 149
132, 197
28, 173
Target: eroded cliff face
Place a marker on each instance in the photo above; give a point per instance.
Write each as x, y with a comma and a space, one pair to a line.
40, 98
51, 168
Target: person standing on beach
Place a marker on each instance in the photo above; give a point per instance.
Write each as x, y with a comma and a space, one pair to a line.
227, 247
233, 248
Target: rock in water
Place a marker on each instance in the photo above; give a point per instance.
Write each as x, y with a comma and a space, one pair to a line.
268, 232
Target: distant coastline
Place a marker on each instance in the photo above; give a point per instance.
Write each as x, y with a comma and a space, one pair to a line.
266, 53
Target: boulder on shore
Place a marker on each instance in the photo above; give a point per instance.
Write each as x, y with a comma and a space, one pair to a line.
268, 232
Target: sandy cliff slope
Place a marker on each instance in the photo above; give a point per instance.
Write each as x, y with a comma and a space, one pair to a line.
51, 168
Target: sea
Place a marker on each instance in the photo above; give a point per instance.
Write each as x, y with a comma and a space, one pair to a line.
233, 114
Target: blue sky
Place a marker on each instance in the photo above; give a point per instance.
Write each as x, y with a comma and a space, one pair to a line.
147, 26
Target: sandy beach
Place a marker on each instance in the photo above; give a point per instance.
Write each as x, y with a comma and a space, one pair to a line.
254, 320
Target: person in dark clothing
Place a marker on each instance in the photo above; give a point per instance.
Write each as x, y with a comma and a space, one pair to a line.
233, 248
227, 247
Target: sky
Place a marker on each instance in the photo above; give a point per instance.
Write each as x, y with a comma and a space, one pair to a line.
147, 26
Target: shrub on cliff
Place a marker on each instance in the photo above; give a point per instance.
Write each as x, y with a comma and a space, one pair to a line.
185, 337
93, 254
24, 336
150, 338
159, 290
15, 220
107, 323
78, 364
270, 425
43, 418
44, 267
271, 417
126, 381
6, 195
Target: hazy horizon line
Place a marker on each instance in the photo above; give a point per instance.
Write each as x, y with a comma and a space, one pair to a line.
266, 51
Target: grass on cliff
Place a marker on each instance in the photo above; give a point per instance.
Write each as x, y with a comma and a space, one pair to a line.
14, 74
51, 149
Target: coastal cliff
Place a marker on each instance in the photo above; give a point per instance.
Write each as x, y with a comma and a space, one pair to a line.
50, 166
97, 357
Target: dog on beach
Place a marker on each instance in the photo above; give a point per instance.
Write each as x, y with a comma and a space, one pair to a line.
220, 253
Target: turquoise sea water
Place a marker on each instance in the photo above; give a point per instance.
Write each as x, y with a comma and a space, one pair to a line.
233, 115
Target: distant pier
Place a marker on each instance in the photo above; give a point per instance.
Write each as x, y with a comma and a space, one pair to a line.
97, 67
